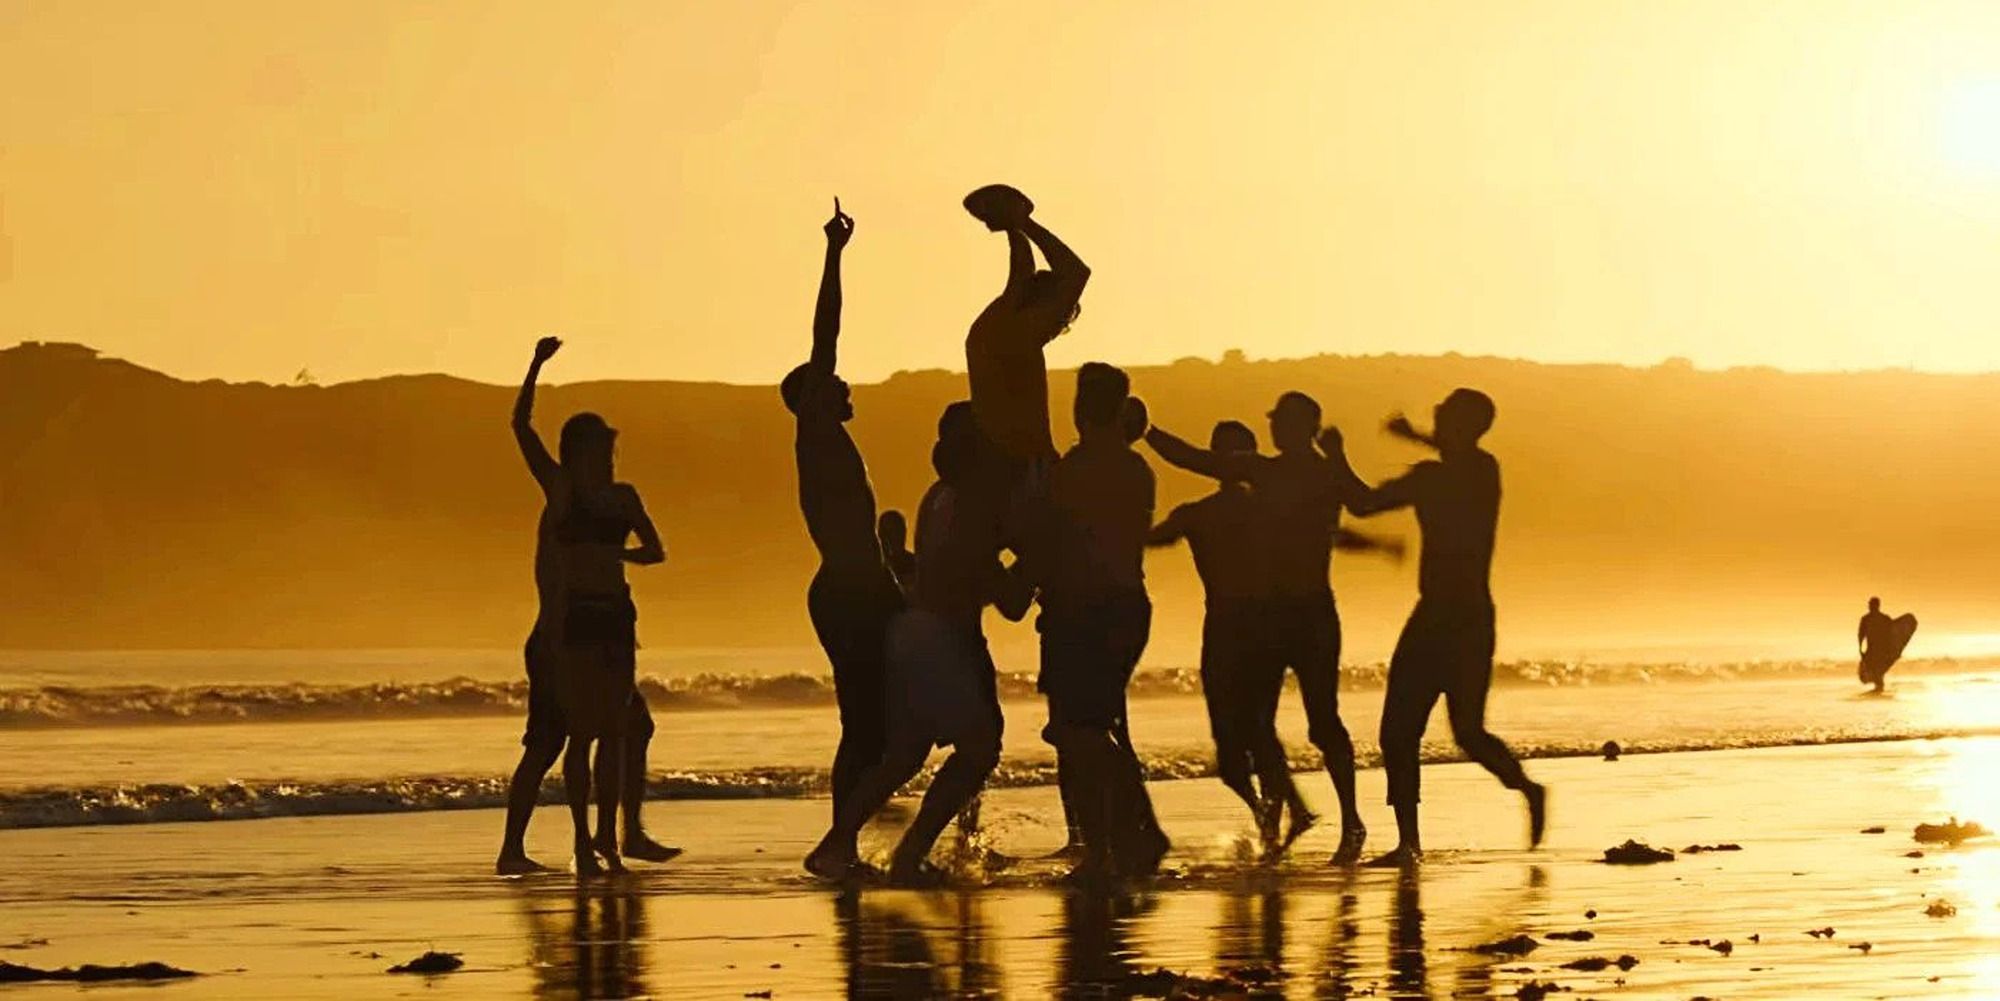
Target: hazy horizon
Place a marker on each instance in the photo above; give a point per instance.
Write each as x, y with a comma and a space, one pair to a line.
361, 191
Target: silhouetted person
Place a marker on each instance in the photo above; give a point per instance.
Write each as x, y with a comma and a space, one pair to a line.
1004, 363
894, 534
548, 729
941, 685
853, 595
588, 624
1300, 493
1225, 533
1094, 624
1881, 640
1446, 649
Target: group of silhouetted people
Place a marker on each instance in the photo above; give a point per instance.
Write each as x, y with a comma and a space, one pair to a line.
1012, 523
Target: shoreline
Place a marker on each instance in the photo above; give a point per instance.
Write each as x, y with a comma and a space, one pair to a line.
299, 904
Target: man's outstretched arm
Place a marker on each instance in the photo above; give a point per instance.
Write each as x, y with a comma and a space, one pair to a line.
1169, 531
1216, 465
826, 311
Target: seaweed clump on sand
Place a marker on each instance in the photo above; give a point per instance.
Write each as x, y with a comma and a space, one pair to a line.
1636, 853
430, 962
1519, 945
1248, 982
1950, 832
1598, 964
1570, 936
91, 973
1727, 846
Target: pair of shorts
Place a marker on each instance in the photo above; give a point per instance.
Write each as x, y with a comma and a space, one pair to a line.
547, 723
1088, 655
1237, 675
940, 684
850, 614
600, 620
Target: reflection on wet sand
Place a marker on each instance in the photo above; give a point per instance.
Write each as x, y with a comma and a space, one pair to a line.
588, 944
910, 945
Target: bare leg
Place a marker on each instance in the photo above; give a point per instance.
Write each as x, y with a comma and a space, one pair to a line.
524, 790
839, 851
956, 783
576, 786
610, 789
638, 737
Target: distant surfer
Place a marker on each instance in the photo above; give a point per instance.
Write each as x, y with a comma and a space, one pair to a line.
1881, 640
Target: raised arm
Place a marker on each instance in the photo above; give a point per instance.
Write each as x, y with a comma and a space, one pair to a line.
540, 463
1216, 465
1020, 262
1070, 271
826, 312
650, 549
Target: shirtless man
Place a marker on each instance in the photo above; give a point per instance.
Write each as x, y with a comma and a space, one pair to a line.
1300, 494
1446, 649
853, 595
941, 685
1004, 363
1094, 624
547, 731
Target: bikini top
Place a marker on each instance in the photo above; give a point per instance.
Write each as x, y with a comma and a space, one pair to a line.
582, 526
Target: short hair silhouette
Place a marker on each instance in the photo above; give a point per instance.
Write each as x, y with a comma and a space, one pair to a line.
1293, 400
1466, 414
1232, 436
1101, 390
1874, 604
794, 386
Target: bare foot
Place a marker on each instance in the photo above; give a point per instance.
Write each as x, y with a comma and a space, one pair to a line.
639, 846
1302, 821
1268, 815
607, 848
1538, 813
832, 863
519, 863
1403, 857
1353, 837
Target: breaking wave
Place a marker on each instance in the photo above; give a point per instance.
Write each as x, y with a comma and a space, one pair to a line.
115, 705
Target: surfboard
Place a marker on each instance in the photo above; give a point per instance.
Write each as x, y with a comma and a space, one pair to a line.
1881, 658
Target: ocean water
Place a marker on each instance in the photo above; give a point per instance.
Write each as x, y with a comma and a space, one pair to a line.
97, 738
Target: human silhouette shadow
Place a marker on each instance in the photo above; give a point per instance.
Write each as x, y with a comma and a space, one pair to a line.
588, 943
936, 946
1092, 954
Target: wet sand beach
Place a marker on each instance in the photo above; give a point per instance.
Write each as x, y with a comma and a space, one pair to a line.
320, 907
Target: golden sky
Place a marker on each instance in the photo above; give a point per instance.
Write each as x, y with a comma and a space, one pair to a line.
247, 189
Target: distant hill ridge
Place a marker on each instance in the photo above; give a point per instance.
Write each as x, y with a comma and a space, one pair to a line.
1643, 506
